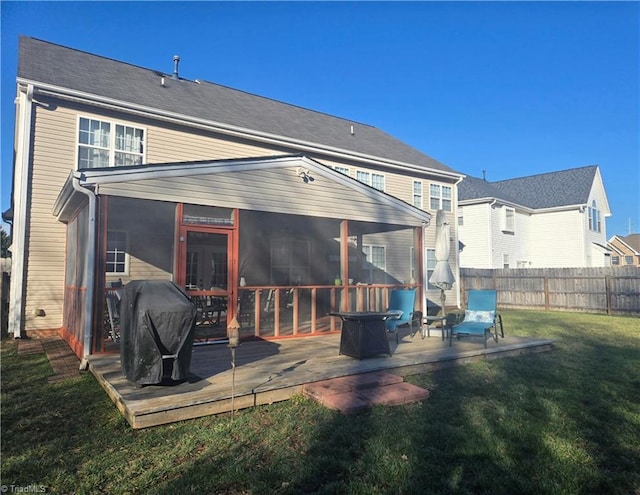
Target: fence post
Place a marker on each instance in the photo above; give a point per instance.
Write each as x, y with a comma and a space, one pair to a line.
607, 290
546, 293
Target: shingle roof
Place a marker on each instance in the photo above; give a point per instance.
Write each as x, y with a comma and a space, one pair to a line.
632, 240
553, 189
45, 62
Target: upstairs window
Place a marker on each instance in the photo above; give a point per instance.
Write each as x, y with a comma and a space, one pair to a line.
107, 144
594, 217
417, 193
440, 197
342, 170
371, 179
508, 219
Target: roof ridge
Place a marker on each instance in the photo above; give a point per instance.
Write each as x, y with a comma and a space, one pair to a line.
546, 173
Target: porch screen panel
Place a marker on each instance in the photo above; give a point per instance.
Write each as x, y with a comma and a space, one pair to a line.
75, 275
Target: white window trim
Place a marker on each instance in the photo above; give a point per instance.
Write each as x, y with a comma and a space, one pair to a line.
369, 180
414, 195
126, 254
440, 197
112, 138
342, 170
506, 227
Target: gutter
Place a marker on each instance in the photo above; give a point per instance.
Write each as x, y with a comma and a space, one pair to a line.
19, 221
89, 269
227, 129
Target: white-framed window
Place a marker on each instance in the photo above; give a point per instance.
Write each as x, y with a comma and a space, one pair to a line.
628, 260
342, 170
371, 179
117, 261
460, 218
440, 197
505, 260
615, 260
594, 217
508, 219
109, 144
375, 263
417, 193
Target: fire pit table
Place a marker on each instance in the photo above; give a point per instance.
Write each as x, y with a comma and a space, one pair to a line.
364, 333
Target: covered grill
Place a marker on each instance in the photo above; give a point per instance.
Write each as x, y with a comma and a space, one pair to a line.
157, 323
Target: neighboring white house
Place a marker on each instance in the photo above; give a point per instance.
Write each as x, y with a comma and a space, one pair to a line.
555, 219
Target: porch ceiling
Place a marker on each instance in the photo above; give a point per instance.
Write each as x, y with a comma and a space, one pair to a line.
291, 184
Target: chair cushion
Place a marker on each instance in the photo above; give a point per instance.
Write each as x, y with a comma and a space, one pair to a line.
480, 316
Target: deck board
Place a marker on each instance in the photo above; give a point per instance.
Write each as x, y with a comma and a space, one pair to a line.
272, 371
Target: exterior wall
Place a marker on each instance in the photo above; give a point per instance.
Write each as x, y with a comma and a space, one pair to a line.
534, 241
514, 247
558, 239
476, 235
54, 156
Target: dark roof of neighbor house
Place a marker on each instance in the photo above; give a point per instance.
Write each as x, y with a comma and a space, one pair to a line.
63, 67
549, 190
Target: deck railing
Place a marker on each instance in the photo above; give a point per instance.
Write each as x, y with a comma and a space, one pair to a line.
294, 311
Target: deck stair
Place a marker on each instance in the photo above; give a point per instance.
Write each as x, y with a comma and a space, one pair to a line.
354, 393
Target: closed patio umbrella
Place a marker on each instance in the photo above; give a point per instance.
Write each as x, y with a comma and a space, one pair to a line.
442, 276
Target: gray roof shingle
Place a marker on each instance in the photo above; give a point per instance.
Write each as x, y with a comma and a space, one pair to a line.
45, 62
549, 190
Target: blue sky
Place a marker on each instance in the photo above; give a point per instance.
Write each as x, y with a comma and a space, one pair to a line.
513, 88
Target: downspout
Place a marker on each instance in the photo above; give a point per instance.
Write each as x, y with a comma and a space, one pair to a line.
19, 224
89, 269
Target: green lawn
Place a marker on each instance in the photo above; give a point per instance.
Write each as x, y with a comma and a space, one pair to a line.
561, 422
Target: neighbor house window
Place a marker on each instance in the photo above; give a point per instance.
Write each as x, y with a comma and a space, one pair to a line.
615, 260
594, 217
342, 170
440, 197
628, 260
505, 261
509, 219
371, 179
117, 259
108, 144
417, 193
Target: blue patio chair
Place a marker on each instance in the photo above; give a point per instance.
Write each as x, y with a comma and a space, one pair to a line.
479, 317
402, 301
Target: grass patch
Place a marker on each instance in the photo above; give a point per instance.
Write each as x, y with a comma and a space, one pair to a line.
562, 422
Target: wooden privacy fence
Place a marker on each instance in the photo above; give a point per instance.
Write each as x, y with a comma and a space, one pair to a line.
611, 290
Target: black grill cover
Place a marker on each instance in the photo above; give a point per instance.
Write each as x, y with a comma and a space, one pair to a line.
157, 323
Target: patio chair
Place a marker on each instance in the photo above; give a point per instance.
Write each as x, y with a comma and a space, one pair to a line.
479, 317
112, 321
402, 301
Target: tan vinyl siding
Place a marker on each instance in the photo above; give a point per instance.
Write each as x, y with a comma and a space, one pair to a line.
275, 190
53, 155
172, 145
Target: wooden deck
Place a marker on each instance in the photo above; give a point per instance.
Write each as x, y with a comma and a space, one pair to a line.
272, 371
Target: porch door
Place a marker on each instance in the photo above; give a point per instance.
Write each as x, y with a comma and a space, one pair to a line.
206, 271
